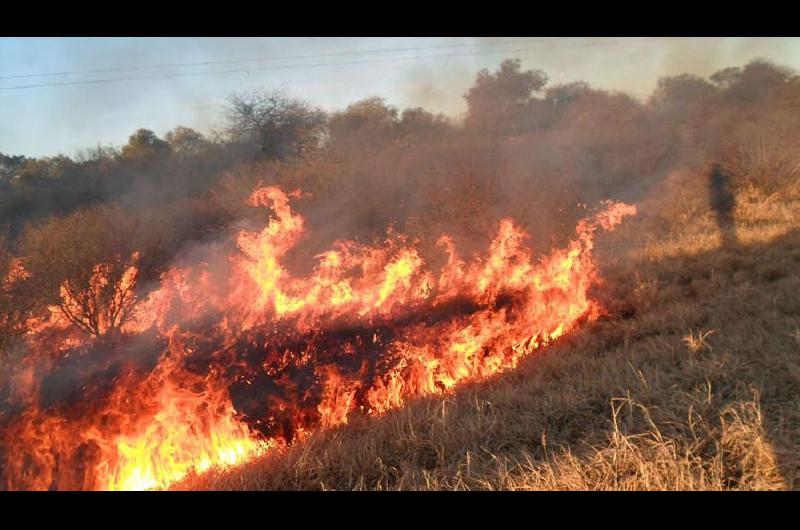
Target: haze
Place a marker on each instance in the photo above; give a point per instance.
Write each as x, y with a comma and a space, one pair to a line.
106, 88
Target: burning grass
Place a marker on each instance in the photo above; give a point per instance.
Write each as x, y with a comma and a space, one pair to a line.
624, 403
251, 359
689, 381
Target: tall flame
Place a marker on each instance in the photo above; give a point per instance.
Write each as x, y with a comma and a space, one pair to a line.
251, 358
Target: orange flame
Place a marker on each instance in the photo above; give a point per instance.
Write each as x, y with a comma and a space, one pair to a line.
296, 343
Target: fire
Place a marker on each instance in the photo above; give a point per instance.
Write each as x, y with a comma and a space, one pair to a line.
216, 367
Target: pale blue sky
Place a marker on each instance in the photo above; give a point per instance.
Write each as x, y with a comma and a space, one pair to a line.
48, 120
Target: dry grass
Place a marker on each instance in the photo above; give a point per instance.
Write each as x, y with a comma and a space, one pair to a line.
692, 383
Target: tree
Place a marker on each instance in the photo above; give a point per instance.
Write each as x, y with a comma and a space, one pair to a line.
185, 141
567, 93
504, 102
758, 80
88, 266
15, 303
98, 153
369, 122
144, 145
684, 90
10, 166
282, 126
418, 123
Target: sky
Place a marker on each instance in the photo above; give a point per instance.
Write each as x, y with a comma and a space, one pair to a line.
61, 95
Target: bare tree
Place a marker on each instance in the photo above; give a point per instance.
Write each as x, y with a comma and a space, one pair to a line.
107, 301
282, 126
86, 264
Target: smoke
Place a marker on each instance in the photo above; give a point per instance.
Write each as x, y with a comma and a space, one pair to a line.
524, 166
426, 87
631, 65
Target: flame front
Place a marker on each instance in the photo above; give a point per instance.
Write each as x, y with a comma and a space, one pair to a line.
215, 367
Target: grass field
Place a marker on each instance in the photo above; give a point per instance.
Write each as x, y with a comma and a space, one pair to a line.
691, 382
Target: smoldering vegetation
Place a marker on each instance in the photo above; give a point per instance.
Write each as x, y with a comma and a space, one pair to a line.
526, 148
700, 156
690, 381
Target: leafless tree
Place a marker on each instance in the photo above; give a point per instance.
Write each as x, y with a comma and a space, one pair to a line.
86, 264
282, 126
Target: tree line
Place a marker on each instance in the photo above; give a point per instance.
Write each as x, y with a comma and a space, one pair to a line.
525, 148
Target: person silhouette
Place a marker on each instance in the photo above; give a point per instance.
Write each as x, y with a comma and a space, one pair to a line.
722, 201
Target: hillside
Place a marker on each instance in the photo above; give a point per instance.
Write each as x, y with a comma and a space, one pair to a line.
568, 287
690, 382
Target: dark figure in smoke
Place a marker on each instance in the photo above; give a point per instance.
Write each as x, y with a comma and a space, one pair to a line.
722, 202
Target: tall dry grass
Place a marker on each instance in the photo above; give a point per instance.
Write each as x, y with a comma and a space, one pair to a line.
692, 382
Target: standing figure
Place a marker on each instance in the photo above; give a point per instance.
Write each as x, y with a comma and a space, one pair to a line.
722, 201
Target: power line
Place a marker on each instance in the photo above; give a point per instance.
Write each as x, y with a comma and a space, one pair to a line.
317, 65
261, 59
